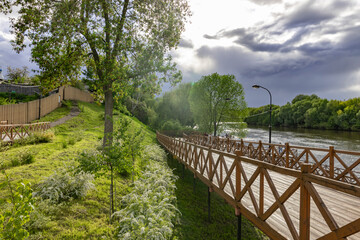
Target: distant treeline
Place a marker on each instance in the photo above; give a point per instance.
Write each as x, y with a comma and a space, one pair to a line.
310, 112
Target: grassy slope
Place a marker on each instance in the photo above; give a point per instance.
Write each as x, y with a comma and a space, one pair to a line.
88, 218
194, 208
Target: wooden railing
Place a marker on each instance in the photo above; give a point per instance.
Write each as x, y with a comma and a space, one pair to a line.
275, 192
331, 163
11, 132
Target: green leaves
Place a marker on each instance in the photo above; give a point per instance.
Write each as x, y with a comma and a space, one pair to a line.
65, 184
217, 98
149, 211
13, 218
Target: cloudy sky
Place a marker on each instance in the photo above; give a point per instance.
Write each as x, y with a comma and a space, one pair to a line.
290, 47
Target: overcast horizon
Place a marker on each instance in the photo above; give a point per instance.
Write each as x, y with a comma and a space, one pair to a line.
290, 47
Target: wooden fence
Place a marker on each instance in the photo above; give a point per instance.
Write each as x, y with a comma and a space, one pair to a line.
23, 113
284, 202
331, 163
17, 131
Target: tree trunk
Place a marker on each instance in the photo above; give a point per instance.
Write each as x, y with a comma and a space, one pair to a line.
109, 105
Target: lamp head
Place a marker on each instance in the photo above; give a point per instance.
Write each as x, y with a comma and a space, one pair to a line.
256, 86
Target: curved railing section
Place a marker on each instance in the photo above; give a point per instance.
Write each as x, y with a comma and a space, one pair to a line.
331, 163
279, 193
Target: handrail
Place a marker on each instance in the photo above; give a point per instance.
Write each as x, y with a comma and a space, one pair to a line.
11, 132
227, 174
330, 163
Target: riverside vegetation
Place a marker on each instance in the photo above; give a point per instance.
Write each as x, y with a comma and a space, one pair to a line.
53, 196
310, 111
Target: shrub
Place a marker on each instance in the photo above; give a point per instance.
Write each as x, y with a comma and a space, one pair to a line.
90, 162
64, 185
17, 214
15, 162
71, 141
149, 210
35, 137
64, 144
26, 158
67, 104
22, 158
42, 137
153, 152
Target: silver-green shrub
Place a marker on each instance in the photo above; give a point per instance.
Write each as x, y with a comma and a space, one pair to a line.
64, 185
149, 211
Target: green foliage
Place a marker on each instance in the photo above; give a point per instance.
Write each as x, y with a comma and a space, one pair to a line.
311, 112
35, 138
192, 202
65, 184
13, 218
217, 98
68, 104
22, 158
174, 107
13, 98
116, 41
18, 75
90, 161
26, 158
149, 211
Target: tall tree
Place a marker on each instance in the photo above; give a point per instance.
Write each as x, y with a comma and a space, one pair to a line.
174, 105
123, 41
217, 98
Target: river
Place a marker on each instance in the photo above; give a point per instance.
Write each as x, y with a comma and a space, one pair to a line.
341, 140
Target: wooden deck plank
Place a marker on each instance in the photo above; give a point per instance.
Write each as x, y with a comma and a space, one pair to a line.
344, 207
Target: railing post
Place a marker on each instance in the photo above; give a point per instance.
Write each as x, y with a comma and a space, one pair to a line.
261, 193
304, 205
237, 175
242, 146
331, 156
228, 144
260, 152
287, 149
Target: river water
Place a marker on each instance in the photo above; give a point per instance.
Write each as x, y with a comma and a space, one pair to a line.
341, 140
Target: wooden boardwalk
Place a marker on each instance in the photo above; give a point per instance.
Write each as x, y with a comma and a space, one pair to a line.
284, 202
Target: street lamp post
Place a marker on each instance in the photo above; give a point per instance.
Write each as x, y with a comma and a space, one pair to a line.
258, 86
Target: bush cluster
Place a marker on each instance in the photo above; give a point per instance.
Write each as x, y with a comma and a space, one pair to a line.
149, 211
35, 138
17, 214
65, 184
23, 158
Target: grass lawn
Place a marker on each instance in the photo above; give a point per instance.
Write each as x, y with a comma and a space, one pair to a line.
88, 218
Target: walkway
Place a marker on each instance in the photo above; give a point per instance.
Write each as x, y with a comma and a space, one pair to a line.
73, 113
284, 202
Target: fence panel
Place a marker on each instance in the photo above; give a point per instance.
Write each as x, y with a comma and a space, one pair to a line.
26, 112
72, 93
33, 110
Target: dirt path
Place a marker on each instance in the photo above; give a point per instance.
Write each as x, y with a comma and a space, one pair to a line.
73, 113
